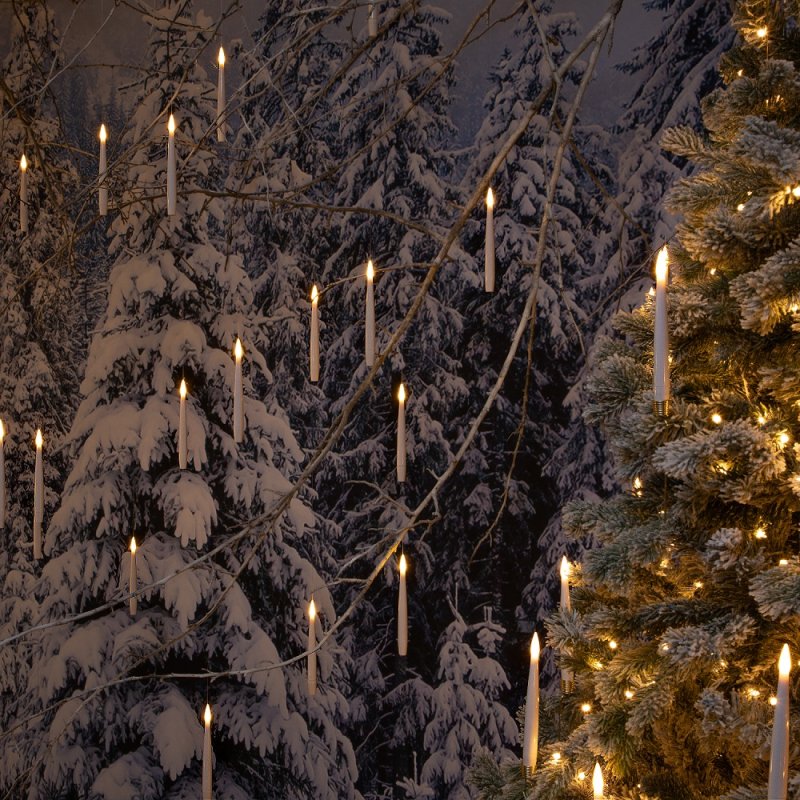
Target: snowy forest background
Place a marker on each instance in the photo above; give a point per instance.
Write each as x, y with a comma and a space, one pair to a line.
340, 147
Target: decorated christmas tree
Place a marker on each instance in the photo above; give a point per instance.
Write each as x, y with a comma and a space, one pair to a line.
682, 609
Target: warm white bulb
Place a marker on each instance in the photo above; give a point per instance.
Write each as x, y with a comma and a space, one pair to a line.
370, 271
23, 163
171, 125
784, 662
39, 440
133, 544
612, 644
716, 418
489, 198
103, 134
762, 32
662, 265
221, 57
403, 564
628, 694
207, 715
401, 393
586, 708
312, 610
238, 350
182, 389
535, 647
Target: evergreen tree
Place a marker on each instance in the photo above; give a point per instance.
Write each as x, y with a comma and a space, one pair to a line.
117, 699
694, 578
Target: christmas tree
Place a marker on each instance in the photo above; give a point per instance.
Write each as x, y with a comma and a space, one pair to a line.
681, 610
116, 695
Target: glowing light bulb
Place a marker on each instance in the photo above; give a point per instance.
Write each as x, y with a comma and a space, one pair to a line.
628, 694
556, 757
740, 207
753, 693
773, 701
784, 562
762, 32
613, 645
716, 418
760, 533
761, 419
586, 708
581, 776
783, 438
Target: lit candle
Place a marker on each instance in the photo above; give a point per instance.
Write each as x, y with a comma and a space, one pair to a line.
172, 191
38, 498
2, 477
661, 337
238, 408
779, 754
372, 20
401, 433
102, 192
312, 648
207, 755
23, 194
132, 578
566, 605
597, 782
182, 428
221, 96
402, 610
530, 746
314, 349
369, 330
489, 258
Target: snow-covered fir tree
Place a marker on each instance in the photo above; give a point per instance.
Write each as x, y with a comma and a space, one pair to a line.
682, 609
115, 708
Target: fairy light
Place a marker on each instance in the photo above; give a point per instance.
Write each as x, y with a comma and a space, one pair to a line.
796, 190
783, 439
760, 533
716, 418
784, 562
740, 207
753, 693
665, 647
761, 419
762, 32
773, 701
556, 757
712, 271
698, 584
581, 776
628, 694
613, 645
586, 708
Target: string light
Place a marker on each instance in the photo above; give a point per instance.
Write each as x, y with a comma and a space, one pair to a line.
581, 776
762, 32
761, 419
556, 757
783, 439
784, 562
753, 693
628, 694
760, 533
586, 708
698, 584
773, 701
740, 207
716, 418
712, 271
612, 644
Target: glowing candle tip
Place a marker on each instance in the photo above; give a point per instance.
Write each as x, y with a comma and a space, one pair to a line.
565, 568
39, 440
489, 198
103, 134
535, 647
133, 544
403, 564
370, 270
221, 57
207, 715
171, 124
662, 264
183, 389
238, 350
401, 393
23, 163
314, 293
312, 610
597, 781
784, 662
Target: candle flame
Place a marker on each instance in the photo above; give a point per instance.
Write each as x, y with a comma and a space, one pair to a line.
662, 264
238, 350
182, 390
103, 134
370, 271
312, 610
565, 568
171, 125
784, 662
2, 431
39, 440
207, 715
535, 647
403, 564
221, 57
401, 393
133, 544
489, 198
597, 781
314, 294
23, 163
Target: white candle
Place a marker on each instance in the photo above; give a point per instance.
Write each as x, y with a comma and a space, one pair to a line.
132, 578
238, 407
369, 330
221, 96
314, 349
23, 194
779, 754
530, 746
661, 336
207, 755
182, 427
172, 191
402, 610
401, 433
102, 192
38, 498
372, 20
566, 605
2, 476
312, 648
489, 254
597, 782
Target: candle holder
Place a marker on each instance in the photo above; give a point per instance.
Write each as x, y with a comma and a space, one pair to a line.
661, 408
528, 773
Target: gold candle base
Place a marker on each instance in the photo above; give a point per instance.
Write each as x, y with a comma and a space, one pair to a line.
528, 773
661, 407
